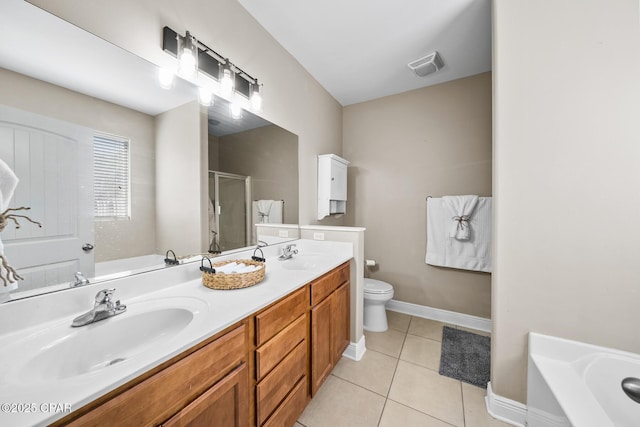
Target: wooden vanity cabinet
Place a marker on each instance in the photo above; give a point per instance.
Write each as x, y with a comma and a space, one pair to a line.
282, 361
329, 322
210, 383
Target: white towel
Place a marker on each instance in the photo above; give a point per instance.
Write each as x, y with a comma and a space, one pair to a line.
473, 254
8, 184
236, 268
267, 211
461, 209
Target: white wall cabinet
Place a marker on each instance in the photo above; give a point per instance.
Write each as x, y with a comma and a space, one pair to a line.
332, 185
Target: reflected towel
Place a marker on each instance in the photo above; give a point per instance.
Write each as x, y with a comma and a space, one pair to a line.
267, 211
473, 254
8, 184
461, 209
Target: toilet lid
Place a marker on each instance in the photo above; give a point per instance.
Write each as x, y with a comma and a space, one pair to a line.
373, 286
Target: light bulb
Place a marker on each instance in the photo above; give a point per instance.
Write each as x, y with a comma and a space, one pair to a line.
187, 55
236, 110
205, 95
256, 97
226, 82
166, 78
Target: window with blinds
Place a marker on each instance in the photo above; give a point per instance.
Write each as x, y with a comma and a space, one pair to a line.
111, 177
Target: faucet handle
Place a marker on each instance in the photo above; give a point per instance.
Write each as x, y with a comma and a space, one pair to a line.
104, 296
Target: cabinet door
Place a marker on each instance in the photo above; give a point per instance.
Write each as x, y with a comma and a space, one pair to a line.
340, 321
321, 354
338, 186
225, 404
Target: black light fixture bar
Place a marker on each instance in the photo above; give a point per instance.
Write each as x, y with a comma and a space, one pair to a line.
209, 61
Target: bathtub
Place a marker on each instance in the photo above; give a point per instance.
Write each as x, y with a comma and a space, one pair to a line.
570, 383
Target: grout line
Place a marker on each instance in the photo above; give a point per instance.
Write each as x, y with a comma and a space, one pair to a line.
422, 412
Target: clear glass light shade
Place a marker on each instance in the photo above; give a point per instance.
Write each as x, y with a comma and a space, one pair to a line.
205, 96
235, 109
166, 78
226, 82
187, 55
256, 97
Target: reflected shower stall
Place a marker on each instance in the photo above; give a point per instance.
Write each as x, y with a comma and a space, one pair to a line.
229, 211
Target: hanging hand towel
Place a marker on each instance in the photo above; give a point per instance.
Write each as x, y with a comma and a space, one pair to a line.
8, 184
443, 251
461, 208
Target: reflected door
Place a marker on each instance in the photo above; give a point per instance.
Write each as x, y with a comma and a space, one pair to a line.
54, 162
231, 198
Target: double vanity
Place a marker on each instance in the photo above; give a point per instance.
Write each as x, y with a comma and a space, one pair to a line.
181, 354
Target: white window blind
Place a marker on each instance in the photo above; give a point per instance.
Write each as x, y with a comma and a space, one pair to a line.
111, 177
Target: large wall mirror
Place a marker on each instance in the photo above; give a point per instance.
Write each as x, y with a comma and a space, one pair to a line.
65, 91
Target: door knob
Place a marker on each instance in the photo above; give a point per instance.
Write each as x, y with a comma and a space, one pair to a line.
87, 247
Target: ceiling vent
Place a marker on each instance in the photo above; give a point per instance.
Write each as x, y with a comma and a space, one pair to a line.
426, 65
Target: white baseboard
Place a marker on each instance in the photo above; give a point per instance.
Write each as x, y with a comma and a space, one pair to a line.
507, 410
460, 319
355, 351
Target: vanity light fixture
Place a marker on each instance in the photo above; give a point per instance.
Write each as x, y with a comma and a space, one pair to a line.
256, 96
166, 77
227, 80
235, 109
187, 55
230, 80
205, 96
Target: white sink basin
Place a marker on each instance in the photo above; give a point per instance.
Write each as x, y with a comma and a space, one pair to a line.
302, 262
61, 352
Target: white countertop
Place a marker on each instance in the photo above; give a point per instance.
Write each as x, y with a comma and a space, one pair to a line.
35, 321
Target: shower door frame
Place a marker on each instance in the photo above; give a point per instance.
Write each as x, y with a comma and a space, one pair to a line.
247, 202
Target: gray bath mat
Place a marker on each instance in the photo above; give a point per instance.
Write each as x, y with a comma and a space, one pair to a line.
465, 356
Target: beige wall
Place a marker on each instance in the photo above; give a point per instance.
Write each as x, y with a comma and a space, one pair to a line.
566, 178
113, 239
292, 98
179, 205
432, 141
270, 156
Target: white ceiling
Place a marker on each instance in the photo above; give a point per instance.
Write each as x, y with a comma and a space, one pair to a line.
358, 50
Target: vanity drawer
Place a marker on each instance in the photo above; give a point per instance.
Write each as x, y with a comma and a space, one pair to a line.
170, 390
324, 286
292, 407
280, 381
280, 315
270, 354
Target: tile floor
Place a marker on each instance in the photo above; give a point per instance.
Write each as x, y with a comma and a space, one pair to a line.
397, 384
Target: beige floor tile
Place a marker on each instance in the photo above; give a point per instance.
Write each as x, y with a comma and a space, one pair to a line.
398, 321
339, 403
427, 391
475, 409
475, 331
389, 342
373, 372
395, 414
298, 425
422, 351
426, 328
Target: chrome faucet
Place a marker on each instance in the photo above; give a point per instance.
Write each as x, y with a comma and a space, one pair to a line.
104, 307
80, 280
288, 252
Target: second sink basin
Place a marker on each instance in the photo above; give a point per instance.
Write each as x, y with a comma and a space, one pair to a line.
66, 352
302, 262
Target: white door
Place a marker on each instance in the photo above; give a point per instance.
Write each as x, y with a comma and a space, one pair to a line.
54, 162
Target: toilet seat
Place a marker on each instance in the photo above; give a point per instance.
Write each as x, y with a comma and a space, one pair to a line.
373, 286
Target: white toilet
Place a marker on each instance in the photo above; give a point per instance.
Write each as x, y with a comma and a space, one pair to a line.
376, 295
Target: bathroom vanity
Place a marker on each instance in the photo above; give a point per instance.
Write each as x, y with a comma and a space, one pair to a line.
253, 356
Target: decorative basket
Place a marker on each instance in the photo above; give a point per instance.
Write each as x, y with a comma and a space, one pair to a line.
213, 280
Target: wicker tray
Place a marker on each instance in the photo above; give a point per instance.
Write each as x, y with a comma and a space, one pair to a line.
234, 280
